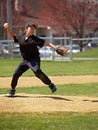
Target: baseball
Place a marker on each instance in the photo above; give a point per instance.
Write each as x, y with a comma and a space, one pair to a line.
5, 25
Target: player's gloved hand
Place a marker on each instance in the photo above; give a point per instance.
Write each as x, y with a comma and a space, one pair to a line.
61, 50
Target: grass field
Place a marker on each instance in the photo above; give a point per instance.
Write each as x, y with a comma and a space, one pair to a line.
7, 67
56, 120
90, 53
65, 90
49, 121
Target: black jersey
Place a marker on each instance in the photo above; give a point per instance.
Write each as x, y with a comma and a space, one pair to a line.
29, 47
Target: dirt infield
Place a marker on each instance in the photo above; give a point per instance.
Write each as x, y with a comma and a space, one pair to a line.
33, 81
48, 103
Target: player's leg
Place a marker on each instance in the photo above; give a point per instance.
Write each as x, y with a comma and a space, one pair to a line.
18, 72
45, 79
34, 64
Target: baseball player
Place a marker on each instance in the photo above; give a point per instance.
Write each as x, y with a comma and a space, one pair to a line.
29, 44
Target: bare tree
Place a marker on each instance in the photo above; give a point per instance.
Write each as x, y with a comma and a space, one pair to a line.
75, 18
22, 10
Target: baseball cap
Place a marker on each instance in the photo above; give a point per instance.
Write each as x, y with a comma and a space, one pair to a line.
32, 24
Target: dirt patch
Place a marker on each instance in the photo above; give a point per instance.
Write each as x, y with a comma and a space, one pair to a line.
33, 81
48, 103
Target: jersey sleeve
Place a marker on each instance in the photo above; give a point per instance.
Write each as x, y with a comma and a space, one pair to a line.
15, 39
40, 42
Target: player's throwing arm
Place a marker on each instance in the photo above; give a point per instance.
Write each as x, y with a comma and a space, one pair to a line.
10, 34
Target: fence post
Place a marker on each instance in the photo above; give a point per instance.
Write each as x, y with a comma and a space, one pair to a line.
70, 53
52, 41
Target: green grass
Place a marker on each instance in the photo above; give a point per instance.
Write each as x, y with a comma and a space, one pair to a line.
91, 53
49, 121
90, 89
7, 67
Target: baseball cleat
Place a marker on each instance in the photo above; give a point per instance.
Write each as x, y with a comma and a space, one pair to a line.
53, 90
52, 87
11, 93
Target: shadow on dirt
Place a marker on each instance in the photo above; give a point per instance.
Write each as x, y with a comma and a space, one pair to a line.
41, 96
91, 100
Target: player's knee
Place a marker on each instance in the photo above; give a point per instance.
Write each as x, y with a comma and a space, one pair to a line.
38, 73
17, 75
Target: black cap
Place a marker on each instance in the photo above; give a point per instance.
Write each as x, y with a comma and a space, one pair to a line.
32, 24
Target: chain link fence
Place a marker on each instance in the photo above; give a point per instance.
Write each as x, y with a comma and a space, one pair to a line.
9, 49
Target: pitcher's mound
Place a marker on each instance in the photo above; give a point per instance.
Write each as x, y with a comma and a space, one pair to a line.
48, 103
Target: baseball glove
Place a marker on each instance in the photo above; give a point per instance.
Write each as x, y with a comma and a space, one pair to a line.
61, 50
